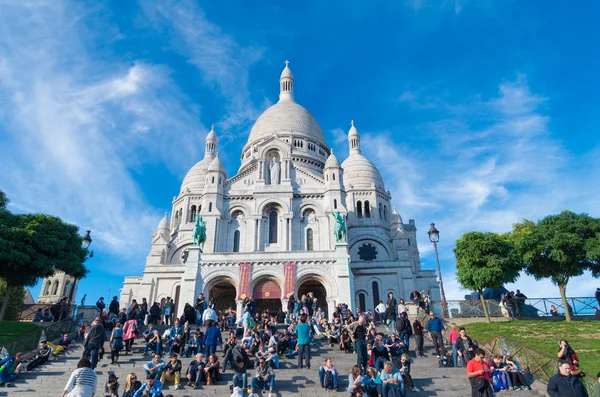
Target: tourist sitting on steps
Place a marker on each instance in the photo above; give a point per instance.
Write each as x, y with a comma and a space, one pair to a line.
172, 372
132, 384
328, 375
195, 371
178, 345
237, 359
405, 372
391, 378
499, 370
154, 344
565, 384
211, 370
193, 346
42, 355
155, 367
10, 367
379, 355
152, 388
63, 344
372, 384
111, 388
517, 378
265, 378
354, 379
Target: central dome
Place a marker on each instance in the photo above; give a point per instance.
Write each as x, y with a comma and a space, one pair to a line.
287, 116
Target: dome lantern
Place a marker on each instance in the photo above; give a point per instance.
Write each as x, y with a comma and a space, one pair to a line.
353, 139
286, 84
211, 143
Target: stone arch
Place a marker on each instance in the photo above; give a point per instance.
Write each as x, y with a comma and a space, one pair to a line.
224, 291
310, 204
273, 304
363, 238
285, 208
55, 287
239, 206
275, 145
329, 282
47, 288
175, 257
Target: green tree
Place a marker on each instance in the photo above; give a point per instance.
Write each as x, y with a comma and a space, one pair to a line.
3, 200
33, 246
559, 247
485, 260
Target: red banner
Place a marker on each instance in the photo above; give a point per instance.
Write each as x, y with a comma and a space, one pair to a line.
244, 289
267, 289
289, 277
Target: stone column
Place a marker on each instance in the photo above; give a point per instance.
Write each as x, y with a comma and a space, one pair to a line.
191, 281
344, 275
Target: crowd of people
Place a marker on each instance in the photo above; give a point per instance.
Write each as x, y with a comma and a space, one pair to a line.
249, 358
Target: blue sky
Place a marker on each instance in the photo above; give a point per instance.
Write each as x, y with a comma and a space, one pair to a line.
477, 113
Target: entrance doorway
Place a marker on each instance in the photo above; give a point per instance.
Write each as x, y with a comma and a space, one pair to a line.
318, 291
223, 293
267, 295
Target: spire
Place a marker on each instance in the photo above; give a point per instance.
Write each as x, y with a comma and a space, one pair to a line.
353, 139
286, 84
211, 143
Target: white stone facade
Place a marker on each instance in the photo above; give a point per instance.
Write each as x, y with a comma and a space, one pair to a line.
277, 212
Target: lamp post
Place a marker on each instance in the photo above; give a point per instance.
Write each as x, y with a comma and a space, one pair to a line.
434, 237
86, 241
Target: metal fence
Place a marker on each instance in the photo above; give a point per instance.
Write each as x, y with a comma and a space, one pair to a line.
534, 307
30, 341
533, 362
26, 312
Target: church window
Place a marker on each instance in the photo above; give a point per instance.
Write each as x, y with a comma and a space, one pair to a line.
219, 180
334, 204
367, 252
181, 215
367, 210
408, 242
333, 177
67, 290
200, 208
55, 288
213, 180
309, 239
177, 217
273, 227
209, 207
47, 288
236, 241
375, 287
193, 214
380, 211
361, 301
327, 178
359, 209
385, 212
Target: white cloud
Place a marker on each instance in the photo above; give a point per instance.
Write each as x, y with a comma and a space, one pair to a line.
221, 61
71, 126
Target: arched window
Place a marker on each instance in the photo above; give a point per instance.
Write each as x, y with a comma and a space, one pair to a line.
209, 207
273, 227
177, 217
236, 241
193, 214
380, 211
334, 177
47, 288
334, 204
361, 301
359, 209
367, 210
213, 180
385, 212
309, 239
67, 289
55, 288
200, 208
375, 287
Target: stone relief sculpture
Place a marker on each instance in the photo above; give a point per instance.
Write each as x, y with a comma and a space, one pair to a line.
275, 168
339, 229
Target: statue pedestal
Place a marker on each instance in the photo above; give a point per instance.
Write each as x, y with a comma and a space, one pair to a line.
344, 275
191, 281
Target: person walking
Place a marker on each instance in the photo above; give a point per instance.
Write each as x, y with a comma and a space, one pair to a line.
303, 346
114, 306
212, 338
116, 343
565, 384
83, 382
130, 332
94, 341
418, 333
436, 330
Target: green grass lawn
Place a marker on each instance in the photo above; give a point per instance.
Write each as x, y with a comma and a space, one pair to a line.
11, 329
584, 337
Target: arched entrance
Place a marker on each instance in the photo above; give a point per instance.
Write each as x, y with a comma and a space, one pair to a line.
224, 294
318, 290
267, 295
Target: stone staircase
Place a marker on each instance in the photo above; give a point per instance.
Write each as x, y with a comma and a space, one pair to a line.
430, 380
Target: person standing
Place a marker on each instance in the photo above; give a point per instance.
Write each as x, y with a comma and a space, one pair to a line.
168, 311
565, 384
393, 303
520, 299
403, 329
94, 341
418, 333
116, 343
358, 331
389, 318
83, 382
155, 313
114, 306
436, 330
291, 304
209, 317
478, 373
212, 338
100, 305
130, 332
452, 338
303, 346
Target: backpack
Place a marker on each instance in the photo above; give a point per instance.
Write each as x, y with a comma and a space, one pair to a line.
445, 362
497, 381
328, 381
393, 392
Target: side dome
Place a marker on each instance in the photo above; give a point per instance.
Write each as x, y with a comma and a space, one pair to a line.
195, 177
360, 172
216, 165
287, 117
332, 161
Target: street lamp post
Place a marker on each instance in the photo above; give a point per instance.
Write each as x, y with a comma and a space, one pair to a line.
86, 241
434, 237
